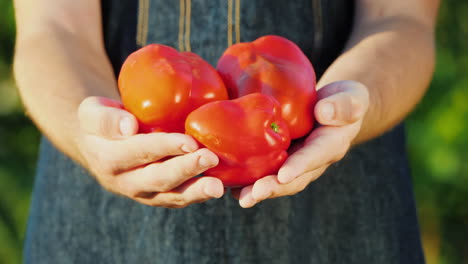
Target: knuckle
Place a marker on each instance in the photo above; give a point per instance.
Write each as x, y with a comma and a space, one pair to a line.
107, 185
189, 168
115, 181
344, 110
301, 188
99, 170
110, 183
162, 138
105, 124
161, 185
342, 148
144, 156
189, 171
130, 191
273, 194
105, 164
178, 201
158, 180
339, 156
335, 158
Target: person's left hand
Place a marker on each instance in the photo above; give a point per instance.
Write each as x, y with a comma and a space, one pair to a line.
340, 110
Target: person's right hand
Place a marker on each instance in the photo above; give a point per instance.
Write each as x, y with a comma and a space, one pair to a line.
155, 169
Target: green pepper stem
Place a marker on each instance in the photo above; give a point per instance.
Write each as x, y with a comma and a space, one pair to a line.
274, 127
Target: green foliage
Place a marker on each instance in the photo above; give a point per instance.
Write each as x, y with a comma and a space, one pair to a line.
18, 149
437, 138
18, 141
437, 142
7, 36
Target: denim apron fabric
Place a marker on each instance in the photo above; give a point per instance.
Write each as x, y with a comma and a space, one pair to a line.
360, 211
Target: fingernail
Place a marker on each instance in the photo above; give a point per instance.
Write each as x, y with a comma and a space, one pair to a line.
126, 128
187, 148
285, 177
328, 111
247, 202
212, 193
204, 162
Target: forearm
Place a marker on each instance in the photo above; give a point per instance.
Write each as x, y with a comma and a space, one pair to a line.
395, 60
55, 70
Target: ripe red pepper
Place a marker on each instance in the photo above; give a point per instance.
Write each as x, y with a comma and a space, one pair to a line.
161, 86
275, 66
248, 135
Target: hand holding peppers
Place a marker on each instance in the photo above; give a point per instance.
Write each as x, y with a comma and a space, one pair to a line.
340, 110
251, 134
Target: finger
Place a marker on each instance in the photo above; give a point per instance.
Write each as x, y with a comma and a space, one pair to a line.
246, 199
325, 145
196, 190
142, 149
106, 118
167, 175
341, 103
264, 187
269, 187
339, 110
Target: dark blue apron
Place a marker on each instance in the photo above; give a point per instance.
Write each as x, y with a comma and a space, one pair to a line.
360, 211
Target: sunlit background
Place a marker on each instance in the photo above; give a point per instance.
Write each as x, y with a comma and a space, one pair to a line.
437, 143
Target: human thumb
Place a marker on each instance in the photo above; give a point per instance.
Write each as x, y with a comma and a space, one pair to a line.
105, 117
341, 103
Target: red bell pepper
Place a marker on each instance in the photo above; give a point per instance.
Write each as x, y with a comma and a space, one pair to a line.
248, 135
275, 66
161, 86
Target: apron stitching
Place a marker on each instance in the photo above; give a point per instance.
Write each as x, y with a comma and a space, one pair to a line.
181, 24
139, 25
145, 28
229, 23
142, 26
188, 12
238, 21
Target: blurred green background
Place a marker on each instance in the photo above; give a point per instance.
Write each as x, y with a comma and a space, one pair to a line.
437, 144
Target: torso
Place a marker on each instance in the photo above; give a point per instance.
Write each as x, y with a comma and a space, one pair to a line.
360, 211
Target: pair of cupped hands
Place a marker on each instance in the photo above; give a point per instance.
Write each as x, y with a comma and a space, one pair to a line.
160, 169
